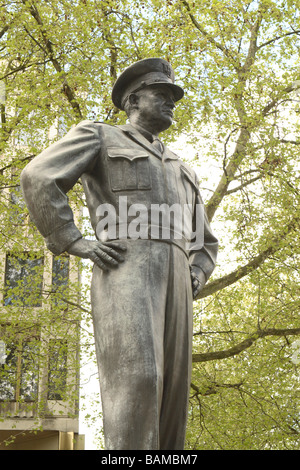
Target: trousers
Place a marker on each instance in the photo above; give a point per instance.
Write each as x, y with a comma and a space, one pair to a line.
142, 318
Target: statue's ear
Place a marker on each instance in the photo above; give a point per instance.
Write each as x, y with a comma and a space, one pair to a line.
133, 100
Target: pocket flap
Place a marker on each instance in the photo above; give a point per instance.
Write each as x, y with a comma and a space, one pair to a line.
128, 154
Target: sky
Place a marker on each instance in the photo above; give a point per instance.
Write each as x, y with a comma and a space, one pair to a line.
89, 397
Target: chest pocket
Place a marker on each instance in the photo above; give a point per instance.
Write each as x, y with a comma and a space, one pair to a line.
129, 169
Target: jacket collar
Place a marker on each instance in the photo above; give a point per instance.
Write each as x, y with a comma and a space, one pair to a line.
135, 135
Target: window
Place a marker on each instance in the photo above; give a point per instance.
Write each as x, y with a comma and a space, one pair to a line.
57, 369
19, 364
17, 205
60, 271
23, 280
60, 277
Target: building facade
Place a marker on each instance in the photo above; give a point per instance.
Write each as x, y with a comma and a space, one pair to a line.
39, 337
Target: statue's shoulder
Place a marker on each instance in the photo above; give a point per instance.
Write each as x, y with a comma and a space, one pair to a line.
189, 171
95, 124
102, 123
99, 128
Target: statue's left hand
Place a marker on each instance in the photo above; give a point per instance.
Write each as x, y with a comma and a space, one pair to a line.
198, 280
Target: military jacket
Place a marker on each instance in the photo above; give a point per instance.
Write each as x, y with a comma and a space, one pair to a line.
114, 163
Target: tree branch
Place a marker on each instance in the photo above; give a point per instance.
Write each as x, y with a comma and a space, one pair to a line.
228, 174
252, 45
295, 86
29, 157
294, 142
243, 185
212, 390
23, 67
239, 273
3, 30
7, 131
240, 148
206, 34
67, 89
277, 38
77, 306
240, 347
238, 155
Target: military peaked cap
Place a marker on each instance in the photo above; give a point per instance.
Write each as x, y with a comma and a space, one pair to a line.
153, 71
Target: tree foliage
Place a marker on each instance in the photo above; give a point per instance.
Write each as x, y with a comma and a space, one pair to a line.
239, 64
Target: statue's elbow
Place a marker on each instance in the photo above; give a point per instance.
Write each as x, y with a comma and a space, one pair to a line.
25, 179
31, 181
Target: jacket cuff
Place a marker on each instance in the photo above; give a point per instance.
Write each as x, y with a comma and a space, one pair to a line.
200, 260
63, 237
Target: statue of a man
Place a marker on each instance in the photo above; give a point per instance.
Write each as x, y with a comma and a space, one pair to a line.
143, 286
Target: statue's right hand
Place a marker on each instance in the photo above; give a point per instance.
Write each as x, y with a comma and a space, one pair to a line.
104, 254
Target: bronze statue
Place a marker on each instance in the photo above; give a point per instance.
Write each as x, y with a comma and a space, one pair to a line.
143, 286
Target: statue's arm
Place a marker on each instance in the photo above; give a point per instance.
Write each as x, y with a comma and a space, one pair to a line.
46, 180
203, 256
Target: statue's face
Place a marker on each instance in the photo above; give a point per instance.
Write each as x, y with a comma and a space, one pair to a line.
154, 107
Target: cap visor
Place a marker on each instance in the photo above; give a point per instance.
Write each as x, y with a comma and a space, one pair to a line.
177, 90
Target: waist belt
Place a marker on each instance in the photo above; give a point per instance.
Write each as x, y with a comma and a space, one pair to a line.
182, 244
147, 232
